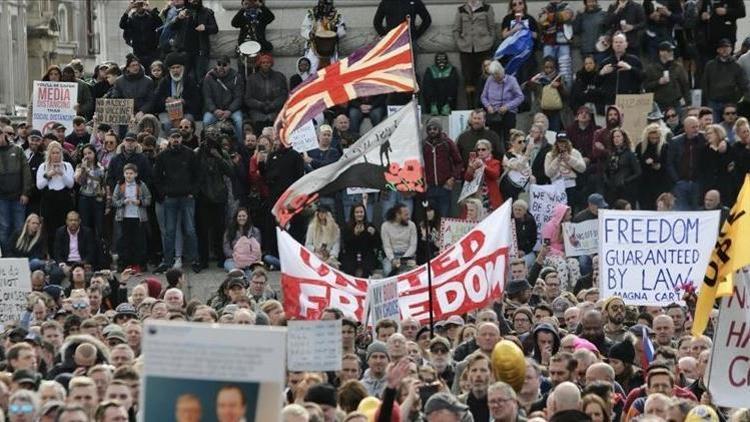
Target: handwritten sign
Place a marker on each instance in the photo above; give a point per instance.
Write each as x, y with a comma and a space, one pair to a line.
472, 186
634, 108
728, 373
453, 229
314, 345
543, 199
15, 284
458, 121
114, 111
304, 138
382, 299
650, 257
581, 238
54, 102
212, 359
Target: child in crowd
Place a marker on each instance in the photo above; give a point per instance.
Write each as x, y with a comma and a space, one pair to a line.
131, 199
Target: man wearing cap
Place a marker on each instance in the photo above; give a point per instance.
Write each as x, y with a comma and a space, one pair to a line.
443, 166
176, 180
176, 86
15, 186
591, 212
445, 407
128, 152
133, 83
440, 359
723, 81
581, 131
667, 79
265, 93
223, 89
324, 395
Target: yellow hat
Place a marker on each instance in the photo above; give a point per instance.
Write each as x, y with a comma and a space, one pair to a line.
702, 413
610, 300
369, 406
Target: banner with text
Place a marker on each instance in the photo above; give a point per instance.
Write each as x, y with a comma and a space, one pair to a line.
313, 345
542, 200
729, 371
15, 284
54, 102
651, 257
581, 238
635, 108
467, 275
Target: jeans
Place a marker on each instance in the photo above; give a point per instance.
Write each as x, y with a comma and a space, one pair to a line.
718, 108
687, 195
267, 259
356, 116
92, 213
440, 198
209, 119
12, 218
166, 124
174, 208
161, 221
388, 263
562, 53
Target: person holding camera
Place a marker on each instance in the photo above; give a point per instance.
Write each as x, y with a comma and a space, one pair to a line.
251, 20
139, 24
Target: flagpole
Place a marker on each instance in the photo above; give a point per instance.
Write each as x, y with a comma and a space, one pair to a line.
428, 249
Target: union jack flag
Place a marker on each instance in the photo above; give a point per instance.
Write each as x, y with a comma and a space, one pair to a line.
382, 68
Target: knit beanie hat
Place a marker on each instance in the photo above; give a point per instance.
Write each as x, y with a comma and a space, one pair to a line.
322, 394
434, 122
376, 347
623, 351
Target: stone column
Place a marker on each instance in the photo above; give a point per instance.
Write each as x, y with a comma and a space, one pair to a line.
6, 44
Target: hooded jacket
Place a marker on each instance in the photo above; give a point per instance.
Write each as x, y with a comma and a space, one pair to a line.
544, 327
441, 160
68, 350
582, 139
222, 93
138, 87
551, 229
393, 12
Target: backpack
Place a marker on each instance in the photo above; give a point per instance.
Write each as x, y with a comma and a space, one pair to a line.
245, 252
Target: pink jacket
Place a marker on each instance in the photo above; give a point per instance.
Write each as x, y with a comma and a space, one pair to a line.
551, 230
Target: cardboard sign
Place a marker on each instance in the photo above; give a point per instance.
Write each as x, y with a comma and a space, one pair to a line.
314, 345
15, 285
305, 138
581, 238
208, 366
542, 201
54, 102
114, 111
468, 275
470, 187
453, 229
650, 257
728, 372
634, 109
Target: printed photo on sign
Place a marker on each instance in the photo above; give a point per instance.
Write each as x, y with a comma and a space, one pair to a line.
651, 257
54, 102
728, 373
468, 275
15, 285
542, 201
224, 373
313, 345
581, 238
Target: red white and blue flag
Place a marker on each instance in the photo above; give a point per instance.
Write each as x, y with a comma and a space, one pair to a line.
648, 350
376, 69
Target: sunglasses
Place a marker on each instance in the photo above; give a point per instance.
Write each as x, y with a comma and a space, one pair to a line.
80, 305
222, 64
482, 149
10, 133
669, 116
185, 127
16, 409
730, 113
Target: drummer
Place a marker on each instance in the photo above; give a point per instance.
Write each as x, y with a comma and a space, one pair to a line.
322, 17
252, 20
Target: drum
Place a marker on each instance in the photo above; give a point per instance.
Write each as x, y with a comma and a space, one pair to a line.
325, 43
249, 48
174, 110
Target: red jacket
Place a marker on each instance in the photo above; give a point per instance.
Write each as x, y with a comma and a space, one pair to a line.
442, 160
257, 181
492, 171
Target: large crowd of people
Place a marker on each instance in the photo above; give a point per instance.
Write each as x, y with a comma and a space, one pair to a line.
191, 181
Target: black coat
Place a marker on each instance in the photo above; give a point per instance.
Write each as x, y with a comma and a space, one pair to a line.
526, 232
38, 251
620, 82
393, 12
175, 172
537, 166
363, 246
283, 167
190, 93
139, 32
86, 245
254, 27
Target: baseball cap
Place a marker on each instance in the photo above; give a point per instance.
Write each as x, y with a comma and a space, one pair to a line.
598, 200
444, 401
35, 133
666, 46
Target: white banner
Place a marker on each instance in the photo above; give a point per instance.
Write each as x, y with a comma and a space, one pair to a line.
729, 370
581, 238
542, 201
208, 367
54, 102
468, 275
305, 138
650, 257
314, 345
15, 285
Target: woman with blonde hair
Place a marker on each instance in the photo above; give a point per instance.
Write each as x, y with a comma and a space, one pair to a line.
652, 155
517, 166
719, 168
564, 163
491, 169
54, 178
475, 210
596, 408
323, 236
29, 242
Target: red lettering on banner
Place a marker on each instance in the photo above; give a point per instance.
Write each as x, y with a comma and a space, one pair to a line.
414, 277
444, 263
471, 244
54, 94
322, 269
743, 372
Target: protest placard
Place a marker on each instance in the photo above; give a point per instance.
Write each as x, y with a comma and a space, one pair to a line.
458, 121
467, 275
314, 345
453, 229
382, 300
728, 374
15, 284
114, 111
634, 108
651, 257
54, 102
581, 238
472, 186
211, 365
305, 138
542, 201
